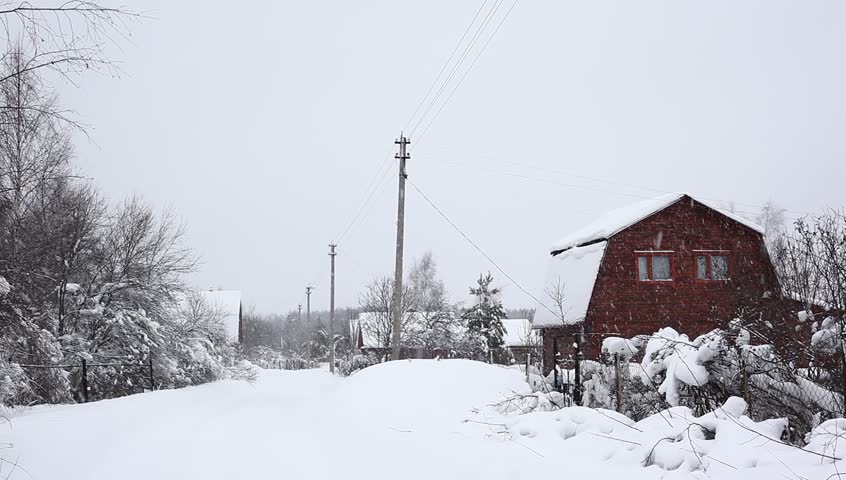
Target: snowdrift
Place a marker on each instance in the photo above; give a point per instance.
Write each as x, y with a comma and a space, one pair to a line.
674, 443
427, 394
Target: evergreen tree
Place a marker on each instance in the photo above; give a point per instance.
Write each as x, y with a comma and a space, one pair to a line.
485, 317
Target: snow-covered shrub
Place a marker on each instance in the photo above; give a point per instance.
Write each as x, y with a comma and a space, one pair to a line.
267, 358
243, 370
537, 401
704, 372
827, 336
15, 386
354, 363
678, 361
599, 389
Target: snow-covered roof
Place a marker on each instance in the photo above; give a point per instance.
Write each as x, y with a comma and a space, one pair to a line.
574, 271
229, 304
374, 329
519, 333
369, 336
619, 219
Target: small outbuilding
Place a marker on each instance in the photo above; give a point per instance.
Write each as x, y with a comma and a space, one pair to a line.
521, 340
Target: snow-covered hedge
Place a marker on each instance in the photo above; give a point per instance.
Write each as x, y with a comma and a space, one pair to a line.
704, 372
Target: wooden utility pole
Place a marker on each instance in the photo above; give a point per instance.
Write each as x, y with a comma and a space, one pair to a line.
308, 306
332, 311
402, 156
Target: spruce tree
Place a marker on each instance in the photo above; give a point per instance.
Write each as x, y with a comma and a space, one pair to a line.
485, 317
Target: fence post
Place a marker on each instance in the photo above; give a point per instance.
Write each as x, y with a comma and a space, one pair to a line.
619, 385
555, 364
150, 372
577, 388
84, 380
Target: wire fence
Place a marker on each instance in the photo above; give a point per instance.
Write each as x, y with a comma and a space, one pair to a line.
81, 372
772, 388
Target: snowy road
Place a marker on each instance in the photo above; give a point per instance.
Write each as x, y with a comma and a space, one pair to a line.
304, 424
398, 420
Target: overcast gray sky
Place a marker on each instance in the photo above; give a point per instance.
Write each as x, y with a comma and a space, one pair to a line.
262, 124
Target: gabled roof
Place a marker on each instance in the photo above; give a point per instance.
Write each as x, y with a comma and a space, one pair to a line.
519, 333
614, 221
228, 303
372, 327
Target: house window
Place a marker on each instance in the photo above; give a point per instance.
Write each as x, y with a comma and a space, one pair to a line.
654, 267
712, 266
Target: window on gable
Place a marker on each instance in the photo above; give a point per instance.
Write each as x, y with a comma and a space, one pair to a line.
712, 266
654, 267
643, 268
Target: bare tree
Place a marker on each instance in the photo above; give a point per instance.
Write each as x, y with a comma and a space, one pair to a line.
68, 38
34, 149
811, 262
198, 317
376, 306
142, 255
772, 220
438, 323
555, 292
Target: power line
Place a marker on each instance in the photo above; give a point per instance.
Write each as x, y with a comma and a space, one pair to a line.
478, 249
601, 190
365, 214
446, 64
381, 174
466, 72
372, 189
467, 49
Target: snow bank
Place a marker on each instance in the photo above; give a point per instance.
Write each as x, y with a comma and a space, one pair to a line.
828, 441
675, 443
448, 389
422, 418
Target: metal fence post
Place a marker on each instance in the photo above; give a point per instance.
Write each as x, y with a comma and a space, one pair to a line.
619, 386
150, 372
84, 380
555, 381
577, 388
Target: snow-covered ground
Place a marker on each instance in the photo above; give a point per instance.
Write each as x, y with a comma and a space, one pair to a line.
409, 419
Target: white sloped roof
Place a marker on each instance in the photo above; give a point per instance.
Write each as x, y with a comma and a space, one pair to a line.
519, 333
575, 270
619, 219
373, 333
229, 304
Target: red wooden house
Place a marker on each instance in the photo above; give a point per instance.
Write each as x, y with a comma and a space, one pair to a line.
670, 261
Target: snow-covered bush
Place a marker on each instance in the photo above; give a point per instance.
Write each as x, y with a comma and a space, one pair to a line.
354, 363
828, 336
704, 372
678, 362
267, 358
